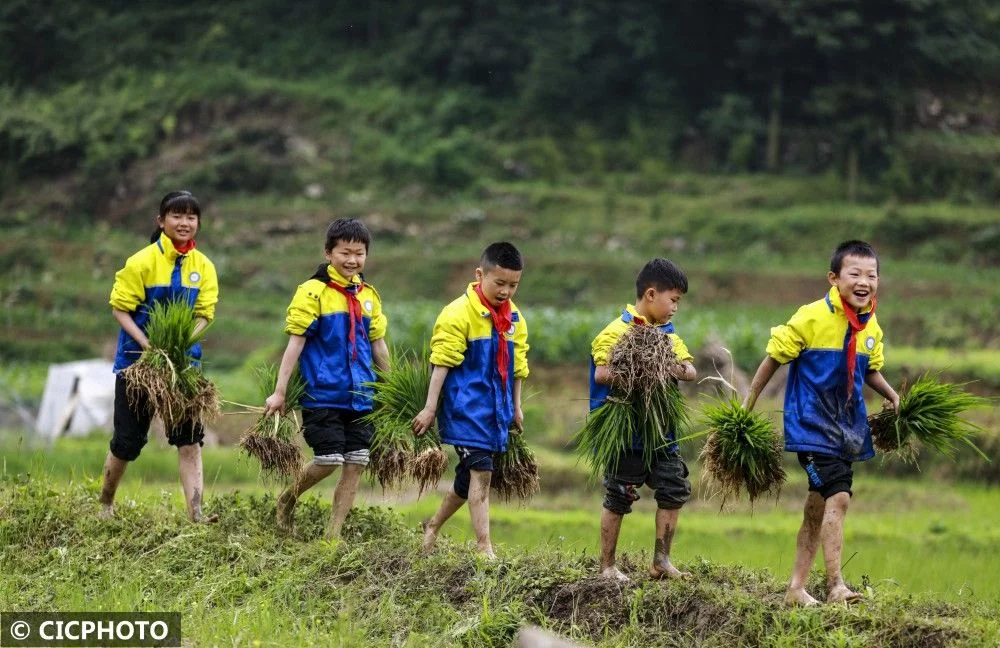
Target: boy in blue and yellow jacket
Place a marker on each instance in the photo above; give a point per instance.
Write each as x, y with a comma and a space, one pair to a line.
169, 268
479, 352
659, 288
833, 346
336, 332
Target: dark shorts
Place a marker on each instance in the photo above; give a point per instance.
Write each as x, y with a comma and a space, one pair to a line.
132, 426
337, 436
667, 477
827, 475
470, 459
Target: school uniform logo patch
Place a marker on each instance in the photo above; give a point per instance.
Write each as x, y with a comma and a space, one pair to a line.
870, 343
194, 277
368, 305
510, 331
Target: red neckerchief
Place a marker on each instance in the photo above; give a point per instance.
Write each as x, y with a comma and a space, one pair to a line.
854, 325
354, 309
501, 317
184, 249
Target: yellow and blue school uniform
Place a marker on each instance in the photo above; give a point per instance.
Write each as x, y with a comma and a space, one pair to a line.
334, 374
601, 347
159, 272
818, 415
476, 411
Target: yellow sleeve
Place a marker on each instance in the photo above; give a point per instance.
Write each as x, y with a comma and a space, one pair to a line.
788, 340
450, 338
208, 296
877, 358
129, 289
521, 348
303, 310
601, 346
680, 349
379, 324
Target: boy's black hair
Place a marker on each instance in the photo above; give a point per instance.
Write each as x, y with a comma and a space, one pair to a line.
661, 275
853, 247
177, 202
350, 230
502, 254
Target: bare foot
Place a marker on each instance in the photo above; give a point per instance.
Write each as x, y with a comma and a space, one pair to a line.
285, 508
842, 594
614, 573
430, 537
487, 553
665, 570
799, 597
107, 512
206, 519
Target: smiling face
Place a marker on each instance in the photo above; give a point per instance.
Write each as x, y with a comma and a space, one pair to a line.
498, 284
857, 281
180, 228
659, 306
347, 258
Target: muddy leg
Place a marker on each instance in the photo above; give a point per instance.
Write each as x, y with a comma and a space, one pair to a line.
114, 469
189, 465
666, 524
611, 526
805, 551
832, 534
310, 475
449, 506
343, 498
479, 510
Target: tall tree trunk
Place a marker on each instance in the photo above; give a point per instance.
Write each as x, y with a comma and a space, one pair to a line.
852, 171
774, 123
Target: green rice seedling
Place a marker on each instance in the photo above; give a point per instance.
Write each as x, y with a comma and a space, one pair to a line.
663, 409
607, 435
396, 453
515, 472
930, 412
641, 359
742, 451
271, 440
164, 376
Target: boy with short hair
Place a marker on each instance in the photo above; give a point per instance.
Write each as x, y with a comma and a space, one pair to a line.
659, 288
479, 352
833, 345
336, 331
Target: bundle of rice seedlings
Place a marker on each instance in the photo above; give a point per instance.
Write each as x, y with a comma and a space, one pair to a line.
396, 453
430, 461
164, 374
271, 439
607, 435
742, 451
930, 412
640, 360
515, 472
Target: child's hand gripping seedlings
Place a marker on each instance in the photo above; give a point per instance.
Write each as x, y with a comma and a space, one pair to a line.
515, 472
931, 413
177, 389
396, 452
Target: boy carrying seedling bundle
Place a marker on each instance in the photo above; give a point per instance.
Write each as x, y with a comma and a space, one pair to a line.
336, 332
167, 273
659, 288
834, 346
479, 352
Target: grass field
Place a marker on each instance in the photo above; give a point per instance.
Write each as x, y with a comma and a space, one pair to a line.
910, 536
